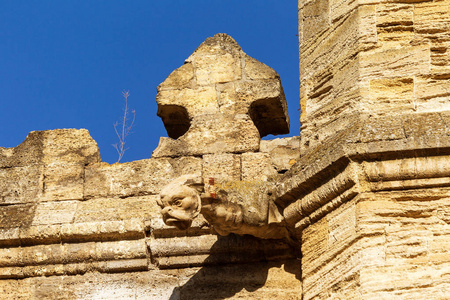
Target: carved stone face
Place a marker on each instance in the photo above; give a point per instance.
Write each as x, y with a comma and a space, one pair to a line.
180, 205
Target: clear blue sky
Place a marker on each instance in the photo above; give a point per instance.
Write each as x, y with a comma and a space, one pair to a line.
64, 64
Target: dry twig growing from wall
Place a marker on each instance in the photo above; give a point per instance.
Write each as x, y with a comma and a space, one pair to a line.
124, 127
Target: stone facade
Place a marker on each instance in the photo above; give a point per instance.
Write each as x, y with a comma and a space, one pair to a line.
73, 227
363, 194
369, 194
67, 215
370, 57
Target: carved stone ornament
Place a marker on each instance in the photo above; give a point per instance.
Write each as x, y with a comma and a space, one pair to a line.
229, 206
180, 202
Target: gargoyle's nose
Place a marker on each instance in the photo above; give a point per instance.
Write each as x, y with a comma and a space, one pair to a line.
166, 210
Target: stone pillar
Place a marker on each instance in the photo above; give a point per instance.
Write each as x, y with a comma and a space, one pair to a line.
370, 58
369, 197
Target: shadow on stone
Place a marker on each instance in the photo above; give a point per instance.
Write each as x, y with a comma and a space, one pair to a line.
243, 266
175, 119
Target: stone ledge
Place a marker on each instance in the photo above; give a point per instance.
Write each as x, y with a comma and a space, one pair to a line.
74, 232
370, 156
112, 266
183, 252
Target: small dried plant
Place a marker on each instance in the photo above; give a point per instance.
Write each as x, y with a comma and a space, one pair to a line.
123, 128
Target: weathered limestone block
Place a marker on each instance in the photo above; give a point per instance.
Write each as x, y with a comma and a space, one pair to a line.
10, 257
143, 177
49, 213
395, 22
257, 167
42, 254
393, 62
65, 146
17, 215
396, 94
220, 101
283, 152
432, 93
182, 246
9, 237
21, 184
29, 152
373, 58
427, 13
121, 250
10, 289
69, 146
79, 252
115, 209
222, 166
40, 234
63, 182
236, 133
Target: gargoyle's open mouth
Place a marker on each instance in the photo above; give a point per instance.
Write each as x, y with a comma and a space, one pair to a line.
182, 225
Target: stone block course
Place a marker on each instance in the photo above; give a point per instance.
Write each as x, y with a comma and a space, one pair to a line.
399, 54
144, 177
222, 166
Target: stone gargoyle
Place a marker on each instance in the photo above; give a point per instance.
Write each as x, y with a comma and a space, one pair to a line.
240, 207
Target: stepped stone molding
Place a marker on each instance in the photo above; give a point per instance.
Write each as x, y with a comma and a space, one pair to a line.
369, 206
223, 281
355, 161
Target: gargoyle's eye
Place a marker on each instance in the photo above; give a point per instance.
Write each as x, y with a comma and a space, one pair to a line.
177, 202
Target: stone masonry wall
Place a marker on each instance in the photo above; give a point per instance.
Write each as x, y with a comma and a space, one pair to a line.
370, 193
366, 201
371, 210
72, 227
373, 58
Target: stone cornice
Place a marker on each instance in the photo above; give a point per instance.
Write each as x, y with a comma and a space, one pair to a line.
376, 154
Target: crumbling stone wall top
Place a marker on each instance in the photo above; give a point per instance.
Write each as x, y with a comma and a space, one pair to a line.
220, 100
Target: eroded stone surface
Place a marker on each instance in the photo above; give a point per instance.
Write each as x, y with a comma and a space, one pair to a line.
382, 58
283, 153
63, 146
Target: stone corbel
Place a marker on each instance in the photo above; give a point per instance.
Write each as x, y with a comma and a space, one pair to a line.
240, 207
